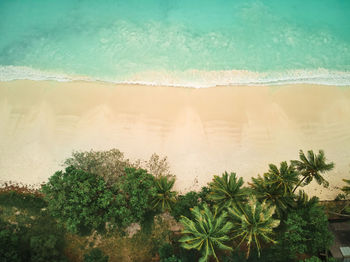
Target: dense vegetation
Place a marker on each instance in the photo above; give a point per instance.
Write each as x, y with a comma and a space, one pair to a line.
104, 197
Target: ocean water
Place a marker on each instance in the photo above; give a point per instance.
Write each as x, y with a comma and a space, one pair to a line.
176, 42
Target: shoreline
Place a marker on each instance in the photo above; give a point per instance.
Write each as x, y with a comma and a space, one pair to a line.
190, 78
202, 131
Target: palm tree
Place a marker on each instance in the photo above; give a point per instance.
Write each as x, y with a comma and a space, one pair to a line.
267, 189
226, 190
284, 178
206, 233
346, 189
164, 198
311, 167
253, 224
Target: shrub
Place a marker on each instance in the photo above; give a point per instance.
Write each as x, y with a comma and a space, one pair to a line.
110, 164
38, 240
137, 188
79, 199
157, 166
9, 242
305, 232
165, 251
183, 205
95, 255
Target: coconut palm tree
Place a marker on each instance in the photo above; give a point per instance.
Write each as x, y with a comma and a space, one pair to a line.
207, 232
267, 189
226, 190
346, 189
311, 167
164, 198
253, 224
284, 178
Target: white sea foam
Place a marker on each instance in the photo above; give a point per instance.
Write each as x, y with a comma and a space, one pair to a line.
191, 78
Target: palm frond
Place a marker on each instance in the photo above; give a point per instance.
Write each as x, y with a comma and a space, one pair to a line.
206, 233
255, 223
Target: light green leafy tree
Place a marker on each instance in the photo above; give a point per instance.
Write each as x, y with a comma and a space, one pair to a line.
207, 233
253, 224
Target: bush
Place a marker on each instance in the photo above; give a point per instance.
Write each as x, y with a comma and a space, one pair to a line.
19, 200
95, 255
9, 242
184, 204
38, 240
80, 200
136, 190
110, 165
157, 166
166, 250
305, 232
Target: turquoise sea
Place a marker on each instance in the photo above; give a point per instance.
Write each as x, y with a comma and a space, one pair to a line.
176, 42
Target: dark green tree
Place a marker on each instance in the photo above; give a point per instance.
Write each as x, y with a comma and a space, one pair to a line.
305, 231
208, 233
312, 166
80, 200
184, 204
138, 189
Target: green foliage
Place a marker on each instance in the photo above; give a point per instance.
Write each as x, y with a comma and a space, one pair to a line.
166, 250
79, 199
173, 258
12, 198
30, 233
305, 231
183, 205
164, 198
253, 224
311, 167
138, 189
312, 259
226, 191
110, 165
207, 233
95, 255
9, 242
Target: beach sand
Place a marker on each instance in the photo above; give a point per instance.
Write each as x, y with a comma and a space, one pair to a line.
203, 132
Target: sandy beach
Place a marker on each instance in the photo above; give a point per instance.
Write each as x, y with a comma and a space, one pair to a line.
202, 131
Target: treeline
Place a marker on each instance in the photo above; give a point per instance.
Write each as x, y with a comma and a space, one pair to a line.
269, 219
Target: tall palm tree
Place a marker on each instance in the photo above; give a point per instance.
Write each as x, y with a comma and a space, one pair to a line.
164, 198
346, 189
206, 233
266, 189
226, 190
284, 178
253, 224
311, 167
